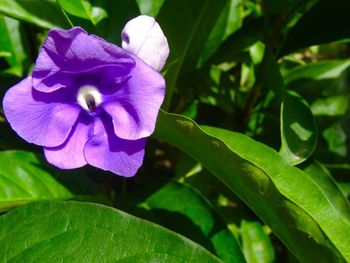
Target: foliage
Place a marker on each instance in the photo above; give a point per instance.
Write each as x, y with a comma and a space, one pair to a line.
251, 154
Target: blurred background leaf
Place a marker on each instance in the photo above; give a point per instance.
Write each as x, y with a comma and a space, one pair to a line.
150, 7
257, 246
325, 22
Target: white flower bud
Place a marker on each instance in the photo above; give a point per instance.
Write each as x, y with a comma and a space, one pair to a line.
144, 37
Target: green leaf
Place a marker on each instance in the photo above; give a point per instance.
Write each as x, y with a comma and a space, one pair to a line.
23, 179
83, 9
256, 52
285, 198
83, 232
238, 42
321, 175
298, 129
150, 7
191, 172
257, 246
229, 21
197, 18
336, 139
332, 20
43, 13
11, 41
4, 54
330, 106
177, 199
320, 70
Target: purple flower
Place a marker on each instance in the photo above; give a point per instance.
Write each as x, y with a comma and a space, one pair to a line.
87, 102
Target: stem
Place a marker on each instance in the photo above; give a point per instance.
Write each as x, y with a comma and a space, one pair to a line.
271, 40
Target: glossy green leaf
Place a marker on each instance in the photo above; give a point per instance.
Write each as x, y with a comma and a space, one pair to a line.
298, 129
23, 179
83, 232
175, 199
316, 71
256, 244
289, 201
11, 41
197, 18
327, 21
150, 7
43, 13
83, 9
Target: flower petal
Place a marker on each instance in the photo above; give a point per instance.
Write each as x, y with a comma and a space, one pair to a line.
144, 37
37, 119
74, 51
53, 82
134, 108
108, 152
70, 155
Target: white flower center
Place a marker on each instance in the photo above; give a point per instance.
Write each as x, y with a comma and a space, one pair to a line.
89, 97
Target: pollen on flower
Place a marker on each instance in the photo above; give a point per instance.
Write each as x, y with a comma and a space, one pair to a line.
89, 98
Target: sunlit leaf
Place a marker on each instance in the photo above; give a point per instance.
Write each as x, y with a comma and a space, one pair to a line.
317, 71
150, 7
24, 179
321, 175
11, 41
276, 191
43, 13
83, 9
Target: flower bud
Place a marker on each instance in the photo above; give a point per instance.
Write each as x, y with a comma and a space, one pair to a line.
144, 37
